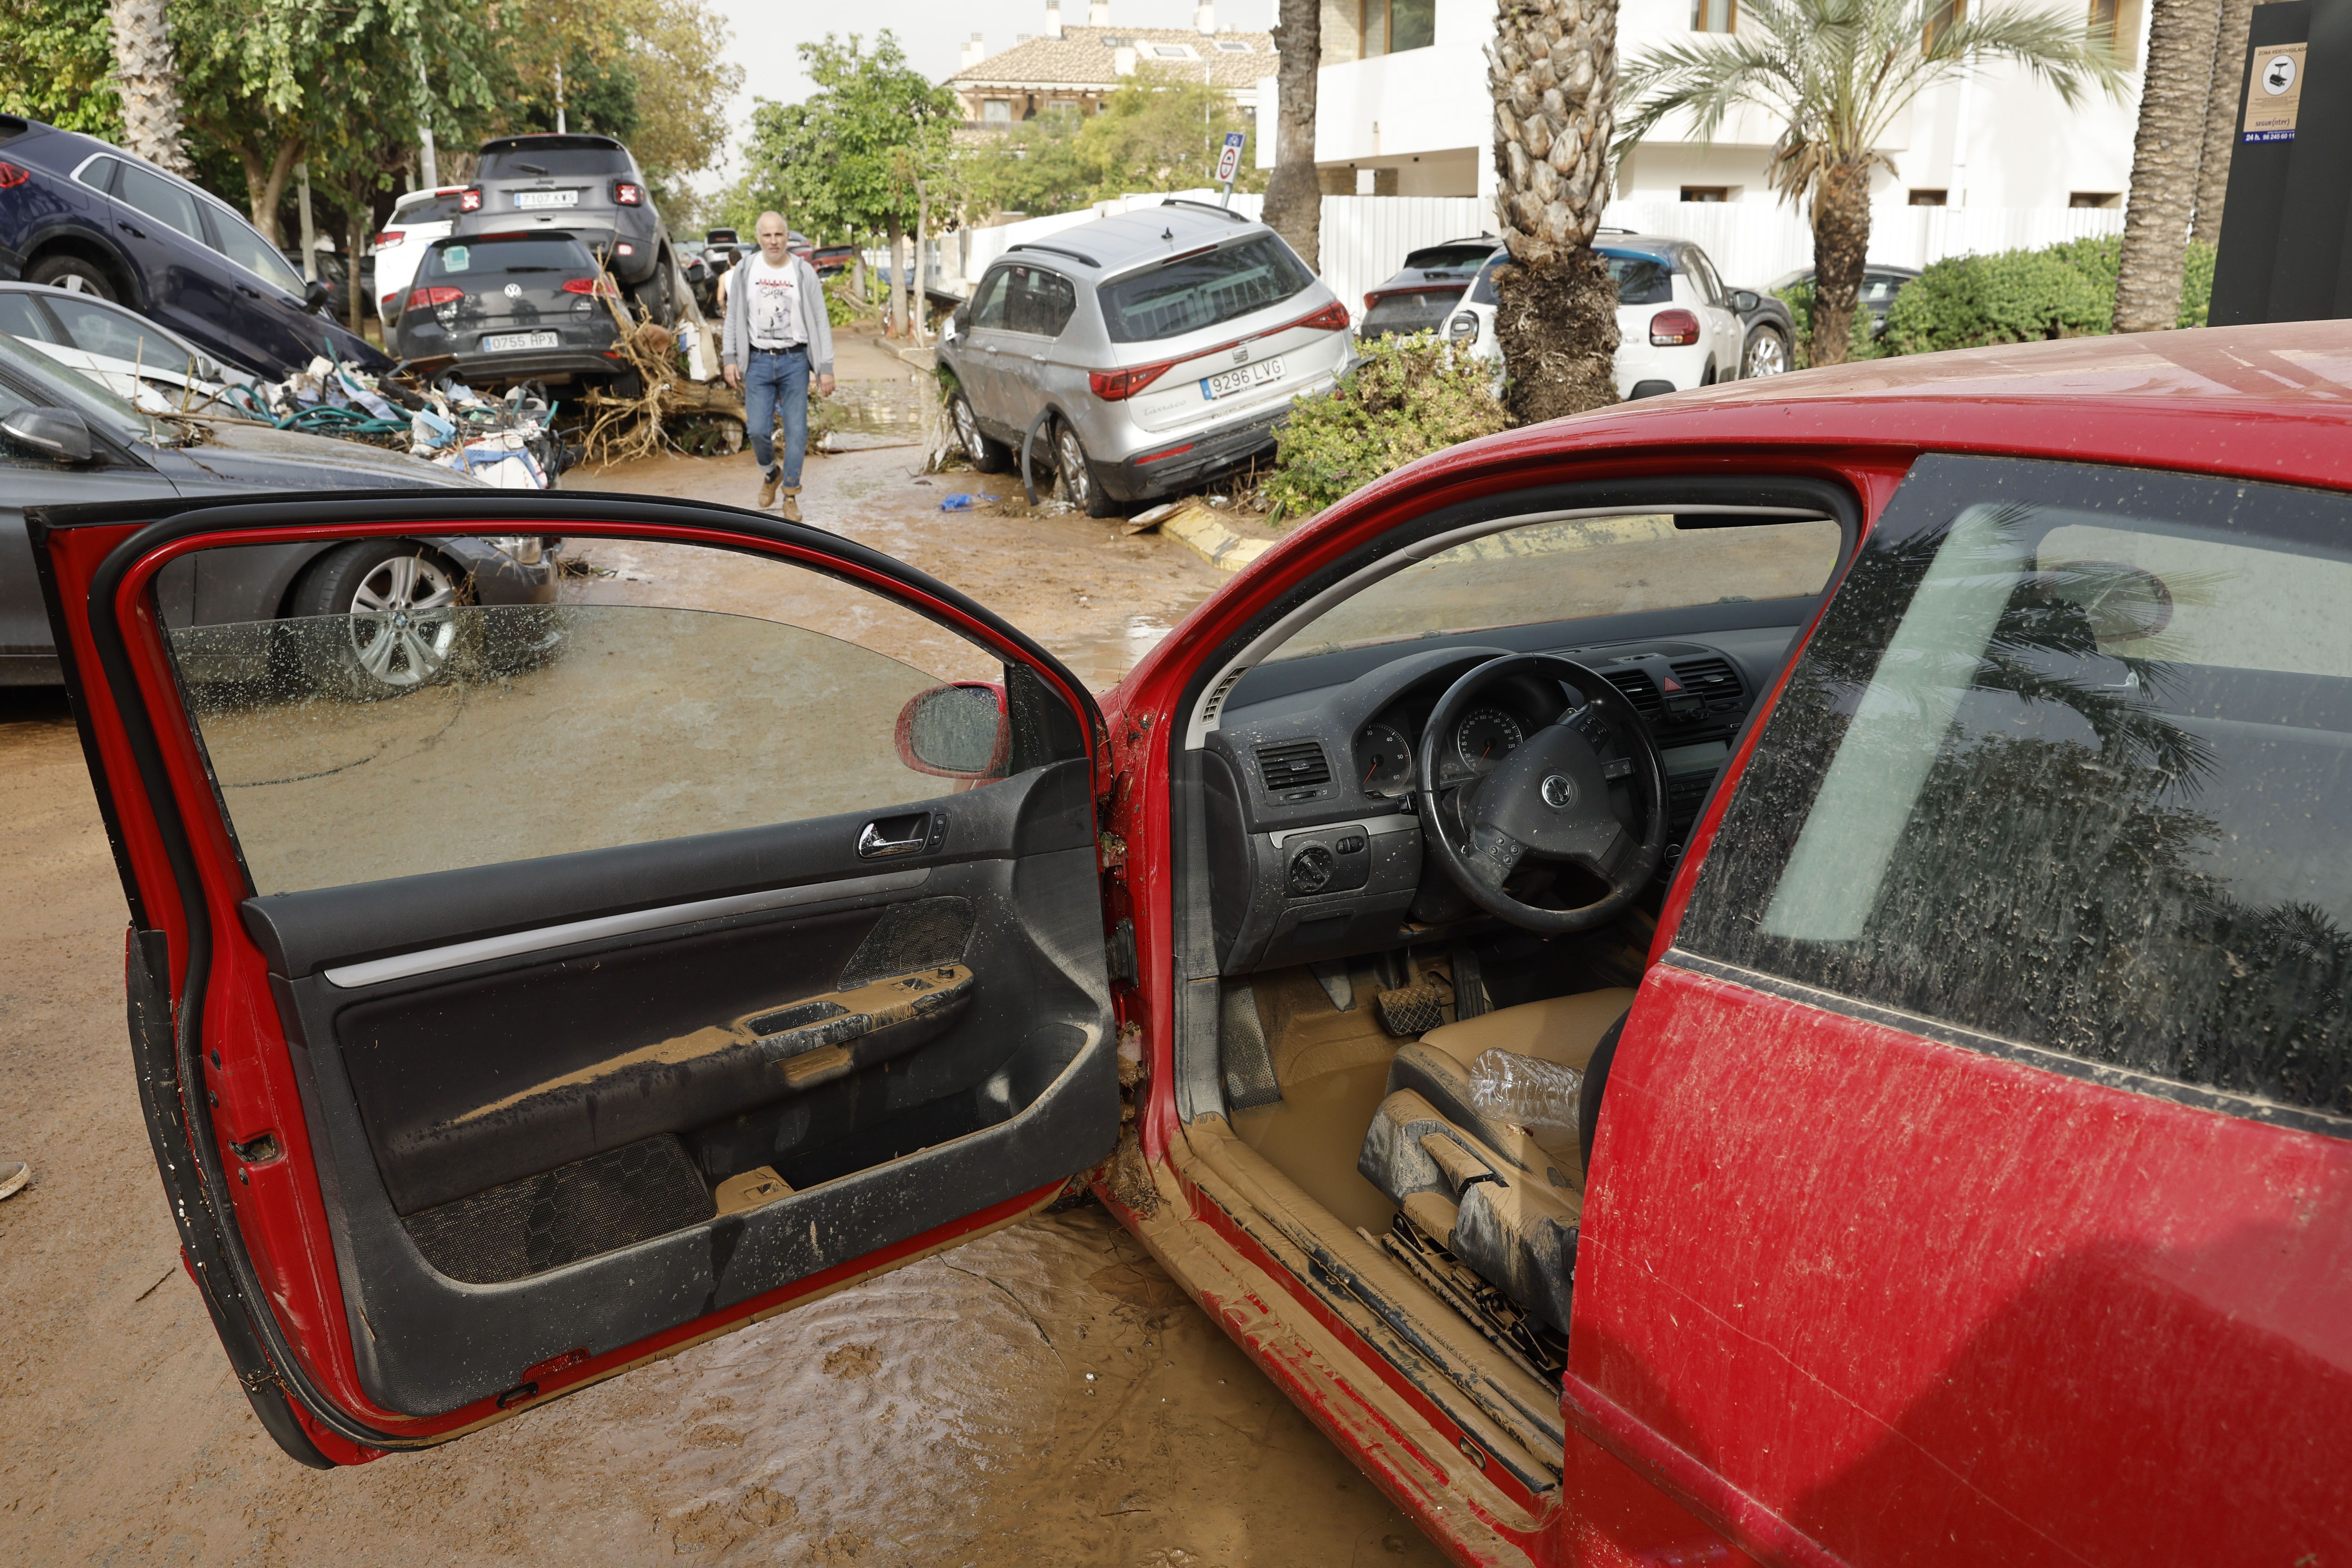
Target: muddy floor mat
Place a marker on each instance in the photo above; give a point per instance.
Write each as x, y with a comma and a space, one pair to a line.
1240, 1036
644, 1189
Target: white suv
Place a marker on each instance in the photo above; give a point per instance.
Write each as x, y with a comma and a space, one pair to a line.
1677, 325
418, 219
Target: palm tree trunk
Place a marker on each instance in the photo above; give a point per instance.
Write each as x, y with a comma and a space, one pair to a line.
1841, 247
2164, 162
922, 260
897, 231
150, 83
1294, 192
1552, 68
2221, 118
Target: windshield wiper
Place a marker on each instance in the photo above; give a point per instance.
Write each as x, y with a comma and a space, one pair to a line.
530, 168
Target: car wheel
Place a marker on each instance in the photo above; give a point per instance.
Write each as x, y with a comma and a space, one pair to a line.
1079, 485
378, 618
988, 457
1767, 353
75, 275
654, 297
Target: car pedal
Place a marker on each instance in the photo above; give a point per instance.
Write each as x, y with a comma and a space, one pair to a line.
1409, 1012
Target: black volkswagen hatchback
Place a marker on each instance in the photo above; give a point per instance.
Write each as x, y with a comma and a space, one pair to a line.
512, 307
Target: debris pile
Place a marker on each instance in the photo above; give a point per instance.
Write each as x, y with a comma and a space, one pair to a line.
509, 442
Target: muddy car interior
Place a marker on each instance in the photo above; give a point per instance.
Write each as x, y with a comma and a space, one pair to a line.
657, 941
1427, 819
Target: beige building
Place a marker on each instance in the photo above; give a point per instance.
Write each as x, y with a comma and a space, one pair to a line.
1071, 69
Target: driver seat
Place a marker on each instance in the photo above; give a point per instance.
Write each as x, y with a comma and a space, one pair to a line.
1486, 1190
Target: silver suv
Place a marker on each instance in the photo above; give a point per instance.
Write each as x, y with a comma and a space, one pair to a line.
585, 185
1149, 351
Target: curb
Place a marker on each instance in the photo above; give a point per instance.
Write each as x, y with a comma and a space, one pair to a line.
1205, 533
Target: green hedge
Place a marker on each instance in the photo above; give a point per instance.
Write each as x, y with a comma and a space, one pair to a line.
2065, 291
1407, 397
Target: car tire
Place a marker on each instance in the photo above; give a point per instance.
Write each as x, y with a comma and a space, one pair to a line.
989, 457
1081, 486
655, 297
1765, 353
377, 618
75, 275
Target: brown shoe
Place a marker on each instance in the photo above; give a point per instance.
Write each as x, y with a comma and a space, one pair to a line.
792, 503
13, 1174
768, 483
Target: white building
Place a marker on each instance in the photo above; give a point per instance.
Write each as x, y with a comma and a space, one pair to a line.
1403, 108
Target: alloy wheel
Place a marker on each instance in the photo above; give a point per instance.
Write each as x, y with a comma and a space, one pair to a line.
401, 629
1078, 484
967, 425
1767, 355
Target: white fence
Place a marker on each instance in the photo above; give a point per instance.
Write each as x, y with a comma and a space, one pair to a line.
1752, 244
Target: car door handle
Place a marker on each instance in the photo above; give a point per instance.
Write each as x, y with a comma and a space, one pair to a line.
1039, 358
249, 293
988, 347
132, 228
894, 835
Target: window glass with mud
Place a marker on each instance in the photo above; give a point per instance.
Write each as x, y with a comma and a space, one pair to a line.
2066, 767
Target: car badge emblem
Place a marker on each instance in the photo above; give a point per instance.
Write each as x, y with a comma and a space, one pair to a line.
514, 290
1240, 356
1558, 793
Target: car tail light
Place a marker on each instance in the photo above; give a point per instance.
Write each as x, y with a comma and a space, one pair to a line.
13, 174
427, 299
1332, 317
391, 237
624, 248
392, 301
1673, 329
591, 286
470, 200
627, 193
1113, 385
1171, 452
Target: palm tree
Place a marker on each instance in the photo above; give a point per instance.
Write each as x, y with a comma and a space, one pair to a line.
2165, 152
1294, 192
2221, 118
1552, 68
150, 81
1836, 73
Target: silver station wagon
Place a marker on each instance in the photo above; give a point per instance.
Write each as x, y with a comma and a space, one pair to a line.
1147, 352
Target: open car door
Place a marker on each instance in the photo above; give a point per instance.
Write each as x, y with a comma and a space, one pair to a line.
522, 991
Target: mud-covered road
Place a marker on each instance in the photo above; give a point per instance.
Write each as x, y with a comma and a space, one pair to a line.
1045, 1395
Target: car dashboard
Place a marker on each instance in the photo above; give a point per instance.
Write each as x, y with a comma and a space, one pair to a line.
1314, 837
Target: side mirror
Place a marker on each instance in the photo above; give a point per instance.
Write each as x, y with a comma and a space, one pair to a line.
59, 432
962, 320
317, 294
1745, 300
956, 732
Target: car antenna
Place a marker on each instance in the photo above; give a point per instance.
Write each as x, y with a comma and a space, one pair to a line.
1166, 234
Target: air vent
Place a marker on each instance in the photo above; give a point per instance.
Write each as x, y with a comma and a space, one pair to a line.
1639, 690
1708, 677
1295, 764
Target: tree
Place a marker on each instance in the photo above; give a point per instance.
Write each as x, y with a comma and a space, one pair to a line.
1836, 73
1294, 195
2164, 155
2221, 118
1158, 130
150, 83
59, 65
1552, 68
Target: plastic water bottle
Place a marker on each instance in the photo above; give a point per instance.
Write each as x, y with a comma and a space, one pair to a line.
1527, 1091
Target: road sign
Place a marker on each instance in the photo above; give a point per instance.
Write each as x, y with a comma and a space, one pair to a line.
1229, 162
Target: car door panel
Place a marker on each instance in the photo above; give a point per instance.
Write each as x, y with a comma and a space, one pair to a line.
474, 1135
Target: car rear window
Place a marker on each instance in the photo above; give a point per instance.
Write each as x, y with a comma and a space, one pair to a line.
1204, 291
532, 162
432, 209
539, 253
1419, 311
1463, 259
2066, 766
1642, 280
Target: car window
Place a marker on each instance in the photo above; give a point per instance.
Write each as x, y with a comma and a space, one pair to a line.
988, 306
536, 254
1463, 259
673, 690
532, 162
99, 172
50, 385
1702, 271
1642, 280
1482, 288
1204, 291
21, 317
1879, 288
2067, 764
161, 199
1566, 570
99, 330
1038, 301
242, 244
1407, 311
425, 209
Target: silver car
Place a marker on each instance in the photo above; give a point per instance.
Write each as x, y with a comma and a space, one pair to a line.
1147, 352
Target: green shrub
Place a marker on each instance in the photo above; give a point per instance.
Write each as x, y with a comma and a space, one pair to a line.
2065, 291
1860, 343
1409, 396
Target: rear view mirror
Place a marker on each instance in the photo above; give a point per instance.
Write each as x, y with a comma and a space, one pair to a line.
1745, 300
956, 732
317, 294
59, 432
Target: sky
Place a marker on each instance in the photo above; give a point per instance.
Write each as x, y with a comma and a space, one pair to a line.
932, 31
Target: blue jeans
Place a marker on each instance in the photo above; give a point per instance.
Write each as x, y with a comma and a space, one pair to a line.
777, 382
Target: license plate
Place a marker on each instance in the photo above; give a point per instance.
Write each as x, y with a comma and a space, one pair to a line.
500, 342
547, 198
1225, 383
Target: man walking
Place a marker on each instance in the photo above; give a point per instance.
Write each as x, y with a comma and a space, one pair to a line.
776, 337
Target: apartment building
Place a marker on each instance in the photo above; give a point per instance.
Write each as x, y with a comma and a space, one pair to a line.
1070, 70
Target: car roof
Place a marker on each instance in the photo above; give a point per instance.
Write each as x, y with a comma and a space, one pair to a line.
561, 140
1114, 243
117, 306
2271, 401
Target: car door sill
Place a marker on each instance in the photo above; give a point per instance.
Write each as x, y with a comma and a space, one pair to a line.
456, 955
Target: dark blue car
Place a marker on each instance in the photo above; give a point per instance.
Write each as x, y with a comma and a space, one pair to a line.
87, 217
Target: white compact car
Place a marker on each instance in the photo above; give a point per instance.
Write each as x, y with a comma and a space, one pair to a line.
418, 219
1678, 327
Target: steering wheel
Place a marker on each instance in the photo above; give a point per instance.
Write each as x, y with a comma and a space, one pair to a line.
1547, 800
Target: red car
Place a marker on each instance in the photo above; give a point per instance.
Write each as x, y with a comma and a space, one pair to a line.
1762, 976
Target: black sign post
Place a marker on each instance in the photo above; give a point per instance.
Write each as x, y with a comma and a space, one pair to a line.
2283, 251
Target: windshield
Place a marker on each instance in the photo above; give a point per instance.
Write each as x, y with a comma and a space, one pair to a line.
538, 253
55, 386
1204, 291
1641, 278
530, 163
1568, 570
